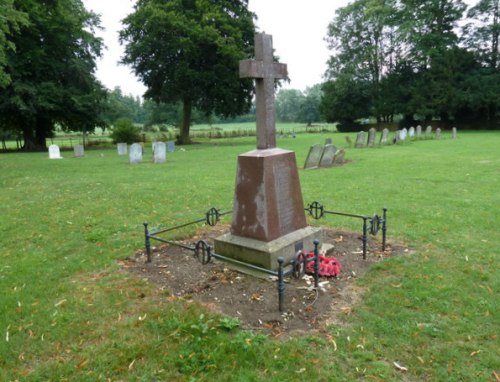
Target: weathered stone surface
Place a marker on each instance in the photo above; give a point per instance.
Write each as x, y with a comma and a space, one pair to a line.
438, 133
265, 72
265, 254
419, 132
384, 137
428, 131
122, 148
327, 156
339, 157
314, 156
78, 151
170, 146
360, 140
135, 154
159, 152
268, 200
403, 134
454, 133
397, 136
411, 132
372, 134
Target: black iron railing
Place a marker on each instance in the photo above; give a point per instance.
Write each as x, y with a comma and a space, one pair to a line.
204, 252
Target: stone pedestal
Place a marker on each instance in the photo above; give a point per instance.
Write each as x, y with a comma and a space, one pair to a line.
268, 213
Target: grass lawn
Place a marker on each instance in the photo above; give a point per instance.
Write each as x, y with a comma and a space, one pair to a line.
68, 312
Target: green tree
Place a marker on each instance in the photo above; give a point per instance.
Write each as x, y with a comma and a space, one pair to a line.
288, 104
309, 109
52, 72
345, 100
119, 105
363, 39
189, 51
10, 22
125, 131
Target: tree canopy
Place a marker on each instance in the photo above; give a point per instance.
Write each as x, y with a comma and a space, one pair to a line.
51, 71
189, 51
408, 58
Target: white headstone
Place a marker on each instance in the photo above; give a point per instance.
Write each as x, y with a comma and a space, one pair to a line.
159, 152
403, 133
122, 148
135, 155
54, 152
454, 133
419, 131
411, 132
78, 150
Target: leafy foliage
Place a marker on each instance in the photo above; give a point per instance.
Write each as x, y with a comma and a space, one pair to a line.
125, 131
10, 22
189, 52
403, 57
51, 71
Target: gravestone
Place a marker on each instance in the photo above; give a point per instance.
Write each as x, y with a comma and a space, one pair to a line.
403, 134
339, 157
411, 132
153, 146
397, 136
419, 132
372, 134
268, 215
438, 133
170, 146
159, 152
135, 154
54, 152
428, 132
360, 140
328, 141
314, 156
454, 133
78, 151
327, 156
384, 136
122, 148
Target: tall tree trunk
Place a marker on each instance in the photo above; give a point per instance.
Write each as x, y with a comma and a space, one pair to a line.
186, 122
43, 129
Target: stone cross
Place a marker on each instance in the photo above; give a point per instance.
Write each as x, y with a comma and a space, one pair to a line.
265, 71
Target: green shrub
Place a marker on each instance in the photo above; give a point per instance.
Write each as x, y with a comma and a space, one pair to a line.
125, 132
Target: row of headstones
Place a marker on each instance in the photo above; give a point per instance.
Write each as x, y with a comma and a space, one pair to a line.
399, 135
55, 153
135, 155
324, 156
136, 151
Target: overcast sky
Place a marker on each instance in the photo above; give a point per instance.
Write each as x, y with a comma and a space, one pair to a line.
298, 28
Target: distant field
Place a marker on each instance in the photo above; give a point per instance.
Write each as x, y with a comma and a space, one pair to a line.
204, 131
69, 312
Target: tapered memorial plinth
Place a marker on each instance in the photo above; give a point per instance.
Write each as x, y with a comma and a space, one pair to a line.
268, 215
268, 212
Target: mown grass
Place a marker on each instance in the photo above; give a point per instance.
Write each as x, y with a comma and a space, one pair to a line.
68, 312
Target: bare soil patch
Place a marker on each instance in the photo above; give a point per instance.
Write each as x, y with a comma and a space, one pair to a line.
254, 301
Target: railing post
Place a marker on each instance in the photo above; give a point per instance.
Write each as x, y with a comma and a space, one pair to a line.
316, 263
365, 235
384, 229
281, 283
147, 242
